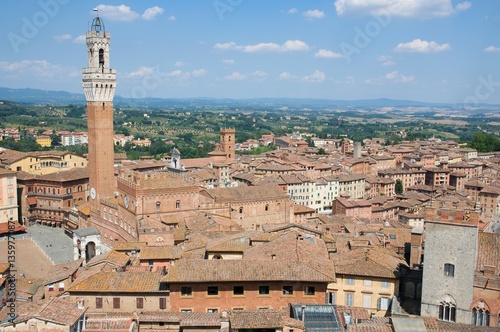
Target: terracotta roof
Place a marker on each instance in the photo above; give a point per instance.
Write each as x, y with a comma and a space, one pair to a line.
256, 319
488, 251
114, 257
231, 243
184, 318
111, 321
242, 270
52, 309
128, 246
77, 173
62, 271
4, 267
294, 246
373, 262
434, 325
160, 252
238, 194
118, 282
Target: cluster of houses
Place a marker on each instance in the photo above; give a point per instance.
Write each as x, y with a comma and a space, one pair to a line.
277, 242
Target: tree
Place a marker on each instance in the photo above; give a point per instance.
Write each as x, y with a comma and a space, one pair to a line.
398, 188
321, 151
485, 143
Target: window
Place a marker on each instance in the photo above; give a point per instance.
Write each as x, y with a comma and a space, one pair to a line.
331, 298
158, 207
367, 301
186, 291
309, 290
139, 303
267, 207
163, 303
164, 286
349, 299
367, 282
61, 286
447, 312
385, 284
238, 290
212, 290
481, 315
51, 287
241, 209
263, 290
383, 303
287, 290
213, 310
98, 302
186, 310
178, 204
349, 281
116, 303
449, 270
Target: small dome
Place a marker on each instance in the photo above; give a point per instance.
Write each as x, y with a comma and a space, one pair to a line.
97, 25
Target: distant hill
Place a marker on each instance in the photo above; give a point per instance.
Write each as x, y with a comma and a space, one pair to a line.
37, 96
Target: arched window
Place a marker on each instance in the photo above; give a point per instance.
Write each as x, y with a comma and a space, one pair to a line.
481, 314
178, 204
480, 317
101, 57
158, 206
447, 310
241, 209
267, 207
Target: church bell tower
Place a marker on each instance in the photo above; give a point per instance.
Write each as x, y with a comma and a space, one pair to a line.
99, 82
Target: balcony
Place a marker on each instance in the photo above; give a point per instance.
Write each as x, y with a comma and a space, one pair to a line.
41, 194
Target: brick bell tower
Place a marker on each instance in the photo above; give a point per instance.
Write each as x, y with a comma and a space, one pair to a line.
99, 82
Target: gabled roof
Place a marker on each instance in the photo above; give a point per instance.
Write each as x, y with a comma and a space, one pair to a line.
160, 252
238, 194
118, 282
199, 271
62, 271
113, 257
52, 309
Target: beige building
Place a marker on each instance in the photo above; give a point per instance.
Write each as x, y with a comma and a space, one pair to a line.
366, 278
8, 198
41, 162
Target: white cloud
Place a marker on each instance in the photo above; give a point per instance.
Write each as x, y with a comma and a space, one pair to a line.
463, 6
117, 13
184, 75
391, 77
198, 72
172, 18
80, 39
422, 46
151, 13
225, 46
61, 38
286, 76
124, 13
288, 46
228, 61
328, 54
180, 63
37, 69
316, 77
314, 14
141, 72
386, 60
492, 49
395, 76
406, 8
293, 11
259, 75
235, 76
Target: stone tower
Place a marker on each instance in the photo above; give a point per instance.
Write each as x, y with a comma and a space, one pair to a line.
227, 142
99, 82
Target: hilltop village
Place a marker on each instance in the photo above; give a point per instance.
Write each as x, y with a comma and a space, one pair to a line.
359, 237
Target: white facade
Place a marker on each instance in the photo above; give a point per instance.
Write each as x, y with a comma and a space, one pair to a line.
8, 196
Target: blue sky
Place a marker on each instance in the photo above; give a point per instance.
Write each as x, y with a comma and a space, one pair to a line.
424, 50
